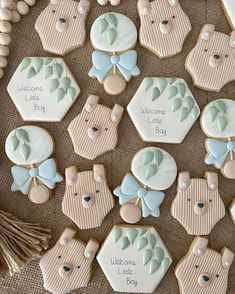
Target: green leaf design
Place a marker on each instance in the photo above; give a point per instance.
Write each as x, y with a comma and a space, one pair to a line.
221, 106
117, 233
48, 60
22, 135
111, 36
54, 84
151, 171
65, 83
57, 69
195, 112
212, 113
165, 264
159, 254
71, 92
158, 156
142, 232
189, 103
112, 19
148, 82
176, 104
25, 151
24, 64
161, 84
142, 242
172, 92
31, 73
222, 123
156, 93
147, 256
183, 114
125, 243
181, 89
172, 81
132, 234
14, 142
60, 93
48, 72
152, 240
154, 266
148, 157
37, 63
103, 24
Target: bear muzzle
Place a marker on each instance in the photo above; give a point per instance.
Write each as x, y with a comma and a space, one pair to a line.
62, 25
215, 60
65, 270
200, 207
93, 132
166, 27
88, 201
205, 280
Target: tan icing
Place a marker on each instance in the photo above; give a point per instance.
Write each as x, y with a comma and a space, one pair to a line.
131, 213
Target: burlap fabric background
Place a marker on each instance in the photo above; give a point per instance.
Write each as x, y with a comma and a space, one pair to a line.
189, 155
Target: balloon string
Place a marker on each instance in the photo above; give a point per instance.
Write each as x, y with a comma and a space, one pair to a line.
138, 198
35, 181
231, 152
114, 66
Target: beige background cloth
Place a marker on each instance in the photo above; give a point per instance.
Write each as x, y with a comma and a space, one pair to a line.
189, 155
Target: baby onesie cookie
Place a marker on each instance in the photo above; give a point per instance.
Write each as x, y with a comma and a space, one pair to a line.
229, 10
211, 63
154, 170
87, 199
232, 210
94, 130
164, 26
204, 270
67, 266
198, 205
43, 89
168, 106
134, 259
61, 26
112, 2
218, 123
114, 64
35, 174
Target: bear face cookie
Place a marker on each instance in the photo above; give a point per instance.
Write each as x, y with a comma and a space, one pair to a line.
94, 130
164, 26
61, 26
204, 270
211, 63
87, 198
198, 205
134, 259
67, 266
112, 2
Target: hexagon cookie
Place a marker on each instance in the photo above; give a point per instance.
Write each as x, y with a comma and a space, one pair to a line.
43, 89
134, 259
232, 210
163, 110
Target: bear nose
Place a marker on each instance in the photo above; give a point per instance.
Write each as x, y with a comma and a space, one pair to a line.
216, 56
66, 268
62, 20
200, 205
206, 278
165, 22
94, 129
87, 198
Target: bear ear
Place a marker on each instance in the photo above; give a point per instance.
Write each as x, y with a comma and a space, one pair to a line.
212, 180
99, 173
207, 32
173, 2
67, 236
91, 103
199, 246
84, 6
227, 258
71, 175
232, 40
184, 180
55, 2
117, 113
144, 7
91, 249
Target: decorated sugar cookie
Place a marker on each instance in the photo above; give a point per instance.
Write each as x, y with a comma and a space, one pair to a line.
87, 199
112, 2
204, 270
134, 259
168, 105
218, 123
198, 205
113, 35
94, 130
67, 266
164, 26
43, 89
232, 210
211, 62
35, 174
140, 193
229, 9
61, 26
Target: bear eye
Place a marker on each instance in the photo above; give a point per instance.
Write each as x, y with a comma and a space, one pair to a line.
76, 194
226, 55
196, 266
152, 21
173, 16
79, 267
74, 17
97, 191
210, 200
106, 129
59, 256
217, 276
205, 50
53, 11
86, 120
189, 199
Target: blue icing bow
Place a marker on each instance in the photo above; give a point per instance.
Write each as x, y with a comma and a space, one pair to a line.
218, 151
46, 173
103, 63
131, 189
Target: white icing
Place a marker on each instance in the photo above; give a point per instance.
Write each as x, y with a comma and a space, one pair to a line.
229, 6
41, 146
165, 176
126, 35
232, 211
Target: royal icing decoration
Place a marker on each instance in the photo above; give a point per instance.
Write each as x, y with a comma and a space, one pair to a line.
87, 199
232, 210
218, 123
204, 270
132, 255
153, 169
34, 174
198, 205
229, 9
67, 266
168, 106
164, 26
94, 130
115, 34
61, 26
43, 89
211, 62
112, 2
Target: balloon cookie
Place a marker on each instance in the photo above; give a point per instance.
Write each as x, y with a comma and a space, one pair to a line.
94, 130
67, 266
35, 174
204, 270
168, 106
218, 123
112, 2
211, 63
114, 64
87, 199
232, 210
43, 89
198, 205
61, 26
164, 26
229, 9
134, 259
153, 170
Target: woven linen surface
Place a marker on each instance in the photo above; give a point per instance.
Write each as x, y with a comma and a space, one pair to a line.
189, 155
